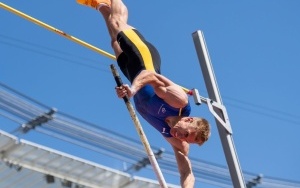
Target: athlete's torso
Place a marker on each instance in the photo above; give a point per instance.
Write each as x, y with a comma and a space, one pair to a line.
155, 110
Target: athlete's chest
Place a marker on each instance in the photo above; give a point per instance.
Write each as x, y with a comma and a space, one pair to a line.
164, 110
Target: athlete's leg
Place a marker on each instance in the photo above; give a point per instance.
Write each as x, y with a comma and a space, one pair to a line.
119, 17
106, 13
116, 18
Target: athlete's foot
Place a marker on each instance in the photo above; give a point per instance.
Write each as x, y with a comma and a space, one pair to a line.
97, 4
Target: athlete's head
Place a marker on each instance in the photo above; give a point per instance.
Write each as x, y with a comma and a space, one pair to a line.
191, 129
203, 129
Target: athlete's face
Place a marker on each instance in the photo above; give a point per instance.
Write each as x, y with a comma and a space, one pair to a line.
184, 130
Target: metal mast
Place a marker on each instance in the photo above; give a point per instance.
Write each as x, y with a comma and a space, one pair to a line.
219, 111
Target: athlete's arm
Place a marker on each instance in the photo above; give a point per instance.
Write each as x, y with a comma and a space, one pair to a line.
181, 149
170, 92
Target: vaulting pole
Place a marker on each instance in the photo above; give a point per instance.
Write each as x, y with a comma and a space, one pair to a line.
140, 131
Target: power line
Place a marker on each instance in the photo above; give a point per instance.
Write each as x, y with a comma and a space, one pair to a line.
250, 107
49, 52
92, 137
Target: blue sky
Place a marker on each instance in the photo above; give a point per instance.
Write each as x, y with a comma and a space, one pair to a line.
254, 48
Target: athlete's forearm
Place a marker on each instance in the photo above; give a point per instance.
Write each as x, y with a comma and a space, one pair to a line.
187, 181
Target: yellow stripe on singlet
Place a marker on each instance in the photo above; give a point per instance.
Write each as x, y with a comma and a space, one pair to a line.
142, 47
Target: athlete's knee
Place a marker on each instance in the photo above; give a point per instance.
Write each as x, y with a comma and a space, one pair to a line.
119, 8
119, 15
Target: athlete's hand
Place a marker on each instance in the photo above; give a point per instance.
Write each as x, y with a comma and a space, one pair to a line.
125, 90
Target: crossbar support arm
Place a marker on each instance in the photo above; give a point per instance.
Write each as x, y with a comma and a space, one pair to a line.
212, 106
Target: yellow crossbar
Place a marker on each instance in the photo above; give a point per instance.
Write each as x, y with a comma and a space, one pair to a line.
57, 31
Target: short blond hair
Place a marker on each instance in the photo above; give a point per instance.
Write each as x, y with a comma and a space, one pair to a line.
203, 129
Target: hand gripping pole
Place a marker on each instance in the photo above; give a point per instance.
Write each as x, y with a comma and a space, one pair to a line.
140, 131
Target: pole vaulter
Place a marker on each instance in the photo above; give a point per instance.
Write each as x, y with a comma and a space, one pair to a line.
118, 80
214, 102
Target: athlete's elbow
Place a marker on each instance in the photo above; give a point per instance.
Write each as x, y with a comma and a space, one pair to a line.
174, 96
185, 100
181, 102
182, 99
